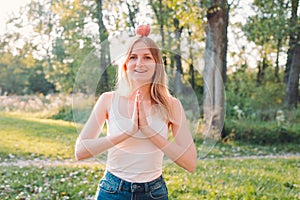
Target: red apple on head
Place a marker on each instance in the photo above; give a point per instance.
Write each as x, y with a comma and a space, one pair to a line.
143, 30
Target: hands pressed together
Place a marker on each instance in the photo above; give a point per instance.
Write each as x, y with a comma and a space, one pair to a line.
139, 118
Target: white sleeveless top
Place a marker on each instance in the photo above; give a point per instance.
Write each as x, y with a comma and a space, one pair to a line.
136, 159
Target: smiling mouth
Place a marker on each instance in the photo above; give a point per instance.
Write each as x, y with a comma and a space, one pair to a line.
140, 71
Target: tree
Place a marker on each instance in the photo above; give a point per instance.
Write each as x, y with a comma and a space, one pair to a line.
104, 48
215, 64
293, 61
267, 29
177, 56
178, 27
60, 41
293, 24
292, 90
161, 14
13, 76
133, 9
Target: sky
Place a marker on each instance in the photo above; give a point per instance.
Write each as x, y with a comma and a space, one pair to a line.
6, 8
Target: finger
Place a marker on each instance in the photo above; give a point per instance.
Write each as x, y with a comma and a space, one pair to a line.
135, 110
142, 115
138, 100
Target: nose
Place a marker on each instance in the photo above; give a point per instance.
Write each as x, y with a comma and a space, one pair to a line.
139, 61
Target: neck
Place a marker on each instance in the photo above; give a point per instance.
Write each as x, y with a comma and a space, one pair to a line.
144, 90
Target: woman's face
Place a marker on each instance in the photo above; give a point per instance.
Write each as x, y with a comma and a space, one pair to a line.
141, 64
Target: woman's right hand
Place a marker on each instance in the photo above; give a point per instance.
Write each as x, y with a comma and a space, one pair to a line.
134, 126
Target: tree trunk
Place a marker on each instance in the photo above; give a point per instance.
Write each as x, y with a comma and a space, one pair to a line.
132, 11
292, 42
162, 33
159, 14
177, 56
215, 60
277, 60
262, 69
293, 82
104, 51
191, 66
169, 44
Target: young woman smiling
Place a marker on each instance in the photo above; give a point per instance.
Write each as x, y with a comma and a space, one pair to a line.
139, 114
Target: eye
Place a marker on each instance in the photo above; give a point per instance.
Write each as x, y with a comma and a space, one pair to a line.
132, 57
148, 58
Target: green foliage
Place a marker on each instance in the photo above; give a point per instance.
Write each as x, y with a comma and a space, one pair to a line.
111, 72
264, 133
66, 113
256, 111
257, 101
22, 74
269, 24
38, 83
13, 75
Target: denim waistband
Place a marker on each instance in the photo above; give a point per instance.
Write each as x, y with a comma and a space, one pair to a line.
132, 186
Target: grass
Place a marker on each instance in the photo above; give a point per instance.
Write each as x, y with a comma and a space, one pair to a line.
27, 137
237, 179
213, 179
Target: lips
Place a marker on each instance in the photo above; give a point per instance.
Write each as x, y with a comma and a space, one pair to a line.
140, 70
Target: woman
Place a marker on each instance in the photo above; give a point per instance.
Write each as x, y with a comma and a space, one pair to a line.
139, 114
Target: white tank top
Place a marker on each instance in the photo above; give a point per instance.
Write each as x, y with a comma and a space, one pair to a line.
136, 159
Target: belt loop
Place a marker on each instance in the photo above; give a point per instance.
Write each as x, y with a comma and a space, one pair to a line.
121, 184
146, 188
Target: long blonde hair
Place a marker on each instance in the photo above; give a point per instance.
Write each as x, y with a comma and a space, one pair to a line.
159, 87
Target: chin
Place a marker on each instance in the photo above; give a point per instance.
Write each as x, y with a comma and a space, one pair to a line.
142, 81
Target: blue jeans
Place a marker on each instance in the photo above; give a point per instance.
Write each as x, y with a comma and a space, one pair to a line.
113, 188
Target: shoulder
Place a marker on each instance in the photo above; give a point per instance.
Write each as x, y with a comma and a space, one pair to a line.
175, 103
105, 100
177, 111
106, 96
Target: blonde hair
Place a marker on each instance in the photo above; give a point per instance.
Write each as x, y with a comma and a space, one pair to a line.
159, 87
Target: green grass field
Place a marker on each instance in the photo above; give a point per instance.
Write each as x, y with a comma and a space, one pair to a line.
29, 137
25, 138
214, 179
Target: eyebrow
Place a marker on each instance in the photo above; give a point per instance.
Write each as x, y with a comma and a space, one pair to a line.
143, 54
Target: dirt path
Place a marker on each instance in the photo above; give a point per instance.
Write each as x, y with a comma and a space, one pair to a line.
97, 162
273, 156
50, 163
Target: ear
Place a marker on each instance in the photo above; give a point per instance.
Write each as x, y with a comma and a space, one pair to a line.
125, 67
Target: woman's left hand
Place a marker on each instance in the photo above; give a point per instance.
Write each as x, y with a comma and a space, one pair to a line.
142, 119
182, 150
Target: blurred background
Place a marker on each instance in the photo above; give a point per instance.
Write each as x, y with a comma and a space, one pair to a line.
44, 43
252, 47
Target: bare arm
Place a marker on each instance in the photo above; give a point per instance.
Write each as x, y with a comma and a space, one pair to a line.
88, 144
182, 151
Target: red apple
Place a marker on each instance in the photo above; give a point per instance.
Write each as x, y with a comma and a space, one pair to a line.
143, 30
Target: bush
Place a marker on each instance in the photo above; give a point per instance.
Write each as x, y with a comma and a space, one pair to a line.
262, 132
64, 113
67, 113
259, 100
